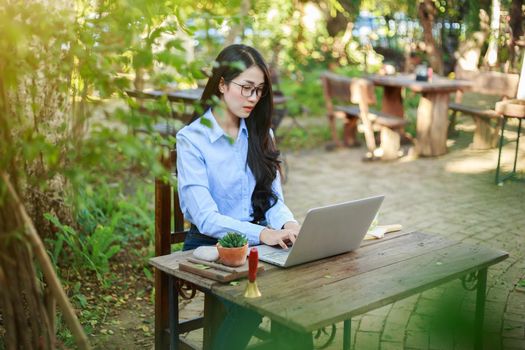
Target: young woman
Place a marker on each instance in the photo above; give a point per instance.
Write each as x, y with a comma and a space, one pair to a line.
228, 167
228, 170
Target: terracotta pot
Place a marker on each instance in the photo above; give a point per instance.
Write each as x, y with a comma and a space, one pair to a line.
232, 256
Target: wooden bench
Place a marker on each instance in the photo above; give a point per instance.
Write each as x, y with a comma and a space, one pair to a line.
350, 99
489, 86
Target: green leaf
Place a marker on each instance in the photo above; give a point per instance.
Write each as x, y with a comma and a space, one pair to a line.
143, 59
206, 122
148, 273
201, 267
81, 299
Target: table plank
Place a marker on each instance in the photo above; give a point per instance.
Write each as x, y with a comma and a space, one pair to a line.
311, 275
309, 308
399, 247
187, 96
170, 265
373, 290
438, 84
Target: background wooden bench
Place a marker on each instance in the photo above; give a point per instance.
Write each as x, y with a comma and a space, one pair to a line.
488, 88
350, 99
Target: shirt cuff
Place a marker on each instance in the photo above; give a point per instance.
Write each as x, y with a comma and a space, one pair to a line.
287, 221
252, 232
278, 221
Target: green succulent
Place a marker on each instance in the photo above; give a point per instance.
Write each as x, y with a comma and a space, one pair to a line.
233, 240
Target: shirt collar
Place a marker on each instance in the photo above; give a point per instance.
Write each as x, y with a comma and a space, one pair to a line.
216, 132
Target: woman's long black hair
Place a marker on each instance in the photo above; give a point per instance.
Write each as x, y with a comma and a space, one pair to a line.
263, 156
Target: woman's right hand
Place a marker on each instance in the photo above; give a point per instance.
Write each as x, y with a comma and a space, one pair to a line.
269, 236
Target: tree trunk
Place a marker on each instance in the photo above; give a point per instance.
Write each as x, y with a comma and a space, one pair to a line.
238, 28
516, 19
491, 57
25, 317
516, 23
28, 320
426, 14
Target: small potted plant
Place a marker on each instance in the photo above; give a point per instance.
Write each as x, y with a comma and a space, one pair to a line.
233, 249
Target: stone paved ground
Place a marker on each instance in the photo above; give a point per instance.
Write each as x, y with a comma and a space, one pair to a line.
453, 195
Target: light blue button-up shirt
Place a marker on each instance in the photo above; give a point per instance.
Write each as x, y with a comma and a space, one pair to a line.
216, 184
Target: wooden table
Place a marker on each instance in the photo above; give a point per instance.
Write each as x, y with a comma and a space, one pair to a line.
432, 112
187, 96
307, 297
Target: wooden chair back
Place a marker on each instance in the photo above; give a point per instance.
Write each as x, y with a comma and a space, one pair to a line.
341, 89
504, 85
167, 211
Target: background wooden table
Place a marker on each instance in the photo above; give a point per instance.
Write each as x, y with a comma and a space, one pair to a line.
432, 112
307, 297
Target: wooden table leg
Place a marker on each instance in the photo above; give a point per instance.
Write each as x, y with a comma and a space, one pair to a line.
214, 314
161, 314
392, 101
392, 104
173, 313
289, 339
333, 130
432, 124
486, 133
480, 309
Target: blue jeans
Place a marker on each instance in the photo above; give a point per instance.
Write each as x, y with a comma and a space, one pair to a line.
239, 324
196, 239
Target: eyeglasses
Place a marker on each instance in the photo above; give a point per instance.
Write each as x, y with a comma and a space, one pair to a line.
247, 90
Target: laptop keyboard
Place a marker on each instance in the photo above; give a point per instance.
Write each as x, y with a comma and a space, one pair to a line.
277, 256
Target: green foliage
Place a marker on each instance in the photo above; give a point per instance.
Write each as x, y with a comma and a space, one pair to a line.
130, 216
106, 219
316, 134
233, 240
91, 251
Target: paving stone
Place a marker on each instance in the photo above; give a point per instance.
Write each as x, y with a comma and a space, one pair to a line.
512, 329
433, 294
492, 341
513, 344
418, 322
516, 317
439, 341
382, 311
416, 340
399, 316
516, 302
391, 346
427, 307
367, 340
393, 332
372, 323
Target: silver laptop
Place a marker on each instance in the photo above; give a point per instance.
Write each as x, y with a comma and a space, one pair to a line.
326, 231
